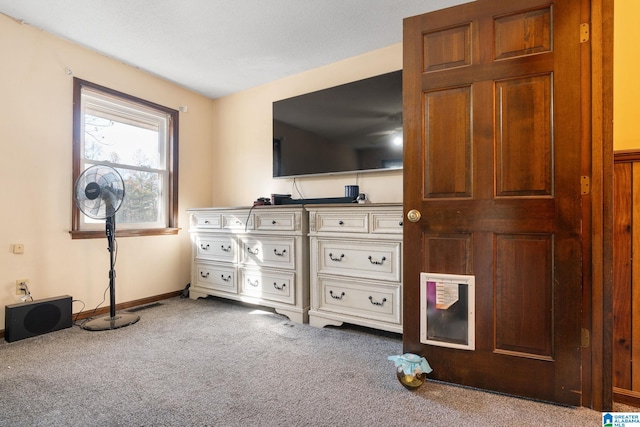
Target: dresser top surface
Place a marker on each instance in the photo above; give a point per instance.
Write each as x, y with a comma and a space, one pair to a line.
299, 206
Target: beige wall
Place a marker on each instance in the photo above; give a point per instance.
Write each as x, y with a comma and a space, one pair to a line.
626, 92
242, 168
36, 183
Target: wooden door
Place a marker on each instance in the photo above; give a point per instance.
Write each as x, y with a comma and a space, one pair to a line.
492, 112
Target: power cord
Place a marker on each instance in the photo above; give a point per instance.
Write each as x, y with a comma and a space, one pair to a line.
246, 223
115, 251
104, 294
78, 313
104, 298
27, 293
295, 186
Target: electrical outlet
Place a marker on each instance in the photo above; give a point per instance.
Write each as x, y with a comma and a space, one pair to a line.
20, 289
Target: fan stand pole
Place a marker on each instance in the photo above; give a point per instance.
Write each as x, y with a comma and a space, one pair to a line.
113, 321
110, 230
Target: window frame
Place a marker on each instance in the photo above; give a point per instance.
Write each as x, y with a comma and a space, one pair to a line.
172, 163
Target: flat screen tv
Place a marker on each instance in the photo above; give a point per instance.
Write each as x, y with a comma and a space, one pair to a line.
355, 127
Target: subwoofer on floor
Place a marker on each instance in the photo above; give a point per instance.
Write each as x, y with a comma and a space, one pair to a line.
28, 319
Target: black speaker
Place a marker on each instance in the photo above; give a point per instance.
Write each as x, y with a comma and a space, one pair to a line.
28, 319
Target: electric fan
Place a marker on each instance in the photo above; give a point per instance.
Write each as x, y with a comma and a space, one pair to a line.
99, 192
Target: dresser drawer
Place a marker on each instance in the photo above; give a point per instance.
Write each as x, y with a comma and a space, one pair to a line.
371, 259
342, 222
205, 220
268, 252
386, 222
239, 221
361, 299
217, 277
266, 284
214, 247
276, 221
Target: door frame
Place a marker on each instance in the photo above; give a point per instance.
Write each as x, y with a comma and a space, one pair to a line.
597, 353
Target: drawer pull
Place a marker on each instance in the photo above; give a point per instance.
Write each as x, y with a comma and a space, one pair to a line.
275, 251
203, 275
254, 284
341, 222
401, 223
377, 303
253, 251
227, 249
226, 279
274, 222
280, 288
204, 247
336, 296
337, 259
206, 221
372, 261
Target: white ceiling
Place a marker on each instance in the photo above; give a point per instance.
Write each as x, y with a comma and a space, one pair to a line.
218, 47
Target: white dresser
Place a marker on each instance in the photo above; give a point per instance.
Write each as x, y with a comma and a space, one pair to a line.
356, 265
257, 255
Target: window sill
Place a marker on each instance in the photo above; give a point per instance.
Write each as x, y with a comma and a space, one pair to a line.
95, 234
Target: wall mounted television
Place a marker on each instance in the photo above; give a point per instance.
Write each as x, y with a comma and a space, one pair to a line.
354, 127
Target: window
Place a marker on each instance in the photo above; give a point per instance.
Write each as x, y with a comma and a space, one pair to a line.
140, 140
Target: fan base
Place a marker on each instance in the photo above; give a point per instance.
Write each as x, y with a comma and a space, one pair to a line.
107, 322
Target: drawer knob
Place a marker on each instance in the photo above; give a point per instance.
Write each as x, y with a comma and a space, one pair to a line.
341, 222
275, 251
274, 222
280, 288
226, 279
204, 247
336, 296
414, 215
376, 302
374, 262
227, 249
204, 275
337, 259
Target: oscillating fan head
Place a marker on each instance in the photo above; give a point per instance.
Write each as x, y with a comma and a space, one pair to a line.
99, 191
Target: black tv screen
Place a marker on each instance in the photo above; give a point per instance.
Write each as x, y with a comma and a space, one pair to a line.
355, 127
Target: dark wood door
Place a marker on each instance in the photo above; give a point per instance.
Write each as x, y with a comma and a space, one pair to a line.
492, 112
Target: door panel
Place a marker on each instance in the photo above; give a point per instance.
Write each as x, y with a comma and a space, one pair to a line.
492, 104
448, 254
524, 139
623, 238
626, 284
447, 115
523, 299
523, 33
